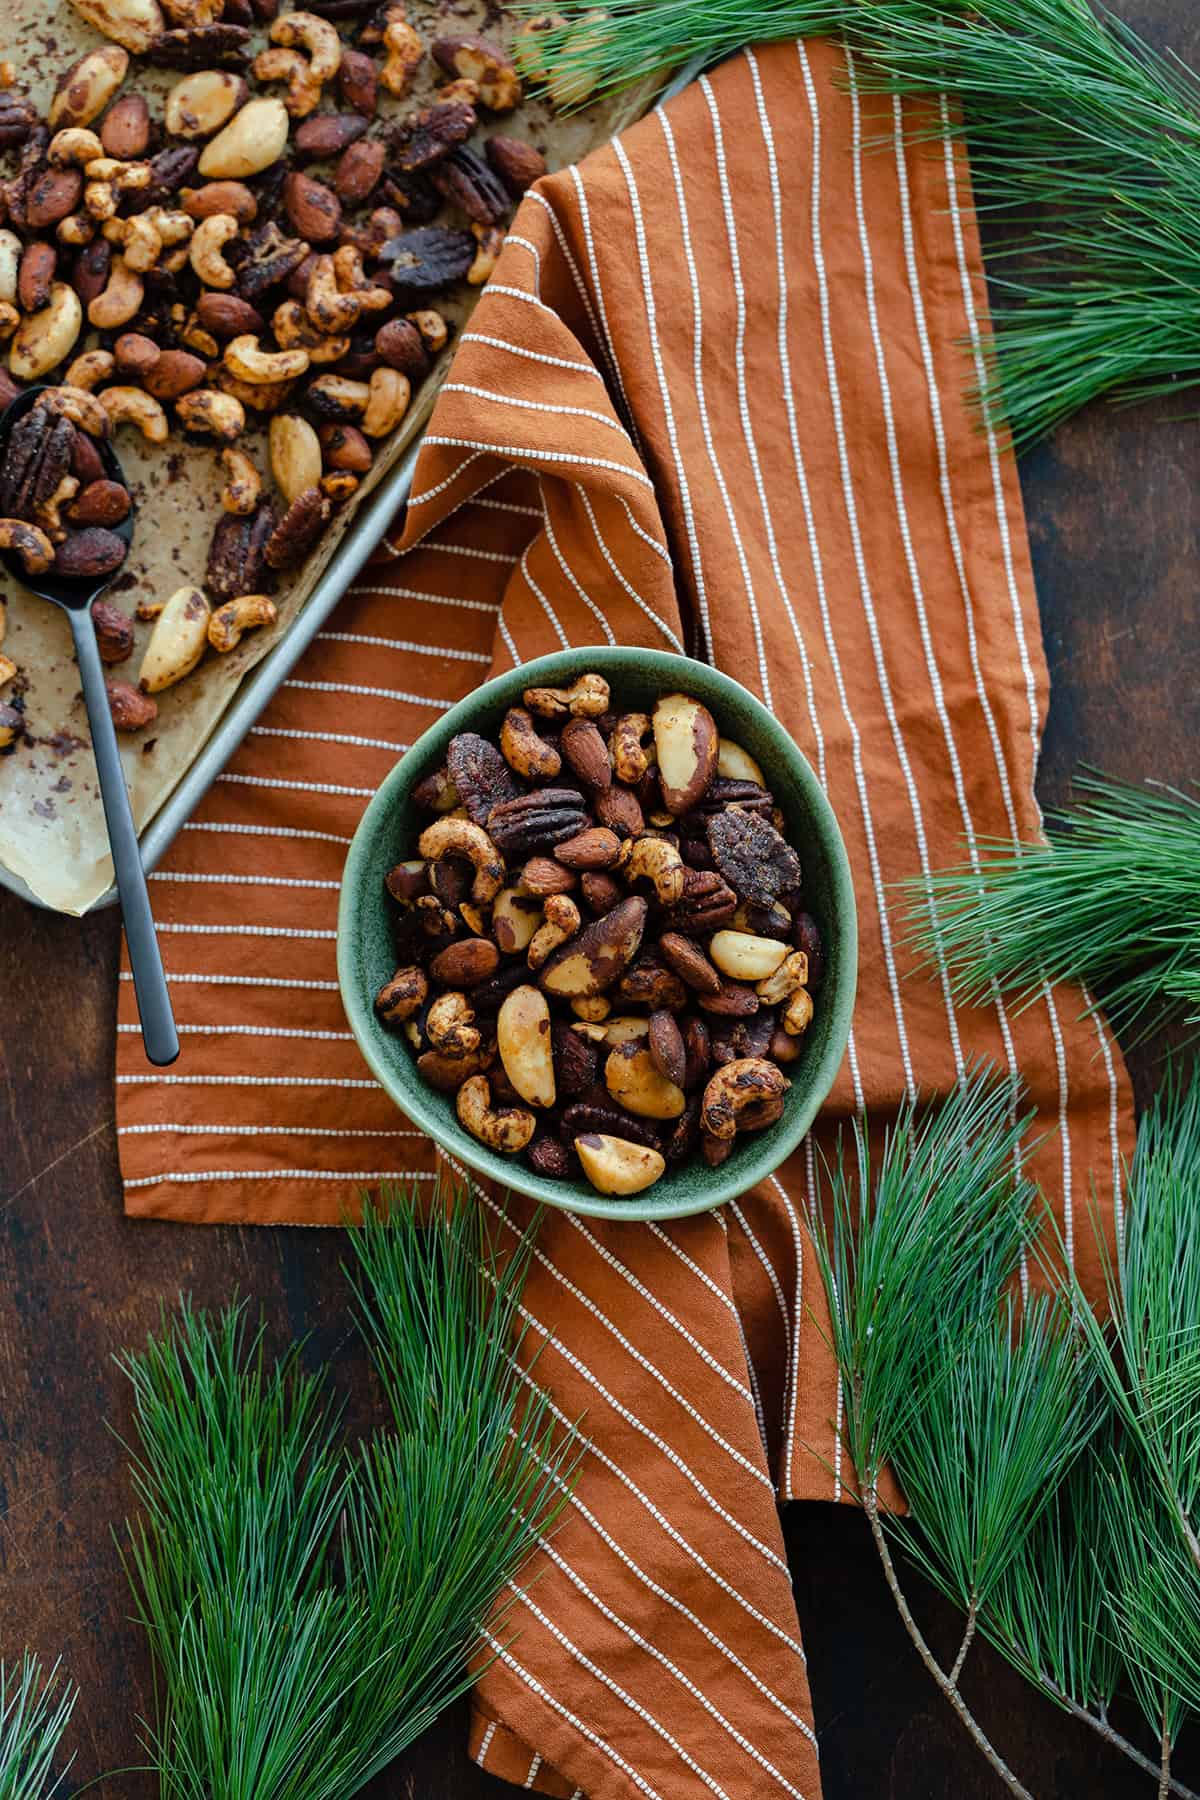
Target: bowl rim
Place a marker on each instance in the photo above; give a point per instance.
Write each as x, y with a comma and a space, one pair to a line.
775, 1145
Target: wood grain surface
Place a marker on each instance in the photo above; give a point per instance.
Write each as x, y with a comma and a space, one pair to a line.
1113, 515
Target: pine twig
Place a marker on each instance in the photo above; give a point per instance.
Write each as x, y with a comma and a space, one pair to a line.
1113, 1738
1164, 1779
944, 1683
968, 1638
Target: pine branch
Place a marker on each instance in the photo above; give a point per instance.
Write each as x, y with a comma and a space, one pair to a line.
1113, 902
1080, 136
35, 1709
311, 1613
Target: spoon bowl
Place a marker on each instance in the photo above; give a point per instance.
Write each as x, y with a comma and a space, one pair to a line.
76, 594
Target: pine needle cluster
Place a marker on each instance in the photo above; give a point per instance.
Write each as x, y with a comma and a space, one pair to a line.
1113, 902
1051, 1463
311, 1609
1080, 135
35, 1709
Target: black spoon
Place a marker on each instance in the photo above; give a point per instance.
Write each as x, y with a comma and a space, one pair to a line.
75, 595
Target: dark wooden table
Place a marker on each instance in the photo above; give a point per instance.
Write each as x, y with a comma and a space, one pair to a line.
1113, 514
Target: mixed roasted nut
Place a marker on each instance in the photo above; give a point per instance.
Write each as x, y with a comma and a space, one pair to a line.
602, 949
269, 249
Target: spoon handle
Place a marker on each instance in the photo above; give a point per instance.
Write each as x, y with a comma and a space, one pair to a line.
159, 1035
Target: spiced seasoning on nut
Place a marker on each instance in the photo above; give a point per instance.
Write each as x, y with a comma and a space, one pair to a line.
591, 1000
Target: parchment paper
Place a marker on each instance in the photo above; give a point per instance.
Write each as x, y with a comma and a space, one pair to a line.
52, 830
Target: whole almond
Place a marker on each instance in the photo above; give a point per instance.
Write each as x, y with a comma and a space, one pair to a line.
90, 271
36, 276
314, 210
517, 163
220, 197
596, 848
619, 809
125, 132
114, 630
135, 354
92, 551
86, 462
176, 372
228, 316
463, 964
358, 82
101, 502
399, 344
600, 891
326, 135
54, 194
358, 170
130, 709
587, 753
542, 875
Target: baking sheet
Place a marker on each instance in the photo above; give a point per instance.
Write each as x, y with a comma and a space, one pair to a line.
52, 836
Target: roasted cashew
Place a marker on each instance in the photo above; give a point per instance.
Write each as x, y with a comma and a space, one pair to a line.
402, 996
133, 406
404, 52
315, 35
352, 278
245, 358
388, 395
120, 300
205, 250
797, 1014
91, 368
504, 1128
586, 698
82, 408
243, 483
74, 145
485, 66
227, 624
10, 318
658, 860
208, 410
49, 511
294, 330
736, 1085
141, 243
791, 974
304, 94
630, 757
31, 545
562, 921
433, 329
522, 748
107, 180
461, 837
331, 311
76, 229
449, 1026
490, 239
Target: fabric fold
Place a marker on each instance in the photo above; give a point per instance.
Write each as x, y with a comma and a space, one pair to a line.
712, 400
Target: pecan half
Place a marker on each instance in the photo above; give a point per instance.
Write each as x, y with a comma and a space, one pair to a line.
752, 856
538, 820
298, 530
481, 775
236, 556
465, 179
707, 903
270, 257
422, 261
432, 134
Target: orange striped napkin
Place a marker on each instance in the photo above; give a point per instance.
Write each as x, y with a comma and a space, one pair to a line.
712, 399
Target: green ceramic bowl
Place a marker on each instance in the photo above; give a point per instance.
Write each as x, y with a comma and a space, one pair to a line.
388, 833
